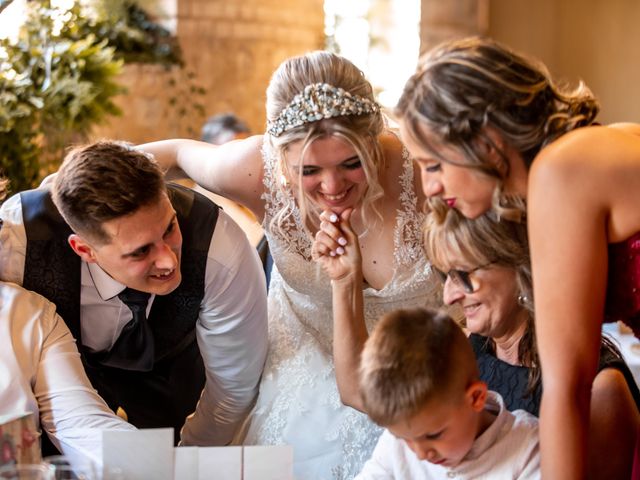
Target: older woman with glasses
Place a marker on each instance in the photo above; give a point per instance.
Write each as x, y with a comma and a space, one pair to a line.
488, 275
485, 269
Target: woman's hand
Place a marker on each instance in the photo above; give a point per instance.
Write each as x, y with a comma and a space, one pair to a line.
336, 246
337, 250
233, 170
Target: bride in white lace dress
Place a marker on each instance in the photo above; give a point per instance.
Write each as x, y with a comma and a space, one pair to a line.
326, 150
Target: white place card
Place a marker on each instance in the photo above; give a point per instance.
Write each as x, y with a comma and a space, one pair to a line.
140, 455
221, 463
268, 463
185, 464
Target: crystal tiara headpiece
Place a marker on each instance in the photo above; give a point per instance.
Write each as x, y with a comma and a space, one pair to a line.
317, 102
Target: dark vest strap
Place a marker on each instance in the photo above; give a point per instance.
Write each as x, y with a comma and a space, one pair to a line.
52, 268
174, 316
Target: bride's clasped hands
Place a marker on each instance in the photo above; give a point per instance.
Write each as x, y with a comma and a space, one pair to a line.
336, 248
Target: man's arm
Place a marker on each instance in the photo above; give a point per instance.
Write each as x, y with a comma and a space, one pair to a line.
13, 241
232, 336
71, 411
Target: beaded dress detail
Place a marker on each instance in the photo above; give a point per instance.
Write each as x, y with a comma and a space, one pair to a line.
299, 403
623, 285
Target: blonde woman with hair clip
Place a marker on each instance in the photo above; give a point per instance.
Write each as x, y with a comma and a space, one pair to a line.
491, 130
326, 153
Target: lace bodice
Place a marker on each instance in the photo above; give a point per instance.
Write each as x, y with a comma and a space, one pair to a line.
304, 279
299, 403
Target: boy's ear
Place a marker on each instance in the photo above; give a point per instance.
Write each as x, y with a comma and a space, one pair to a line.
477, 395
82, 248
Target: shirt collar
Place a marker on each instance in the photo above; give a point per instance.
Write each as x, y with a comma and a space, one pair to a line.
105, 284
490, 436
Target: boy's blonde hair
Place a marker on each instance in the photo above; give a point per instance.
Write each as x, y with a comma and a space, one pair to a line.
412, 357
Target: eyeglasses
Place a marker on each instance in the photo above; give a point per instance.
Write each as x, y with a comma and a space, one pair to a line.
462, 278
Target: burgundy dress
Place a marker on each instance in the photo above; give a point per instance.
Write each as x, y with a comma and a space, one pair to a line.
623, 285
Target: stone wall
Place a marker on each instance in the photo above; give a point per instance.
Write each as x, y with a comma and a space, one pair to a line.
444, 20
590, 40
230, 47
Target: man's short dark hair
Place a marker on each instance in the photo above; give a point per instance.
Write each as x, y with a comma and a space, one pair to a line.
104, 181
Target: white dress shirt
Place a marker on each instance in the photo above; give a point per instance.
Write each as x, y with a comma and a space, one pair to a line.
41, 372
508, 449
231, 329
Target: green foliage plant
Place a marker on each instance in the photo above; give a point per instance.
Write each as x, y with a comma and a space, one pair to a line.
59, 78
55, 84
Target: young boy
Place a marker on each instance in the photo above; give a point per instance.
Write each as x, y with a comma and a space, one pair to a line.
419, 379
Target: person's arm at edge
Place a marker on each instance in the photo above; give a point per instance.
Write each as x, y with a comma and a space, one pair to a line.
569, 261
233, 170
613, 426
13, 241
71, 411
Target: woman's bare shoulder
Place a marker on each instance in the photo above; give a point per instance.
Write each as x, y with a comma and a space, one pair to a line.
628, 127
589, 150
393, 168
392, 147
595, 168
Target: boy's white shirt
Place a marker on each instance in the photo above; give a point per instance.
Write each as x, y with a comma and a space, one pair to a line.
509, 448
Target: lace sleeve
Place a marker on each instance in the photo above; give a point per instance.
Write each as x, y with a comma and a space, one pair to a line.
408, 235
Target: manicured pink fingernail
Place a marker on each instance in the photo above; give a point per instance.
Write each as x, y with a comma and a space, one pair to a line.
332, 253
342, 241
339, 250
333, 217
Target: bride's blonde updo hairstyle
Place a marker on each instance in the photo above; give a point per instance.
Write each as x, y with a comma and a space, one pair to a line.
465, 87
353, 117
